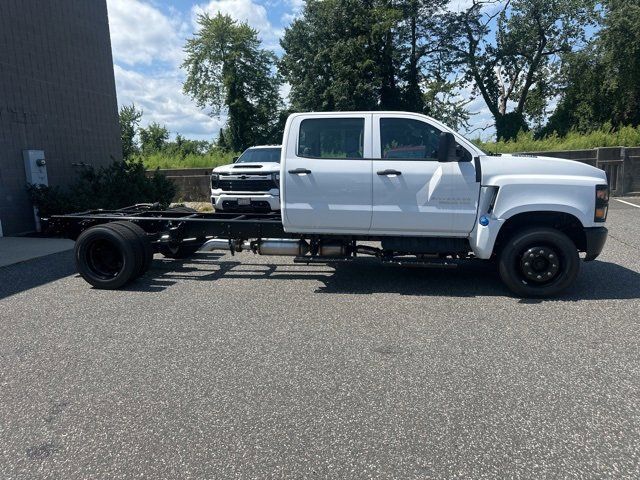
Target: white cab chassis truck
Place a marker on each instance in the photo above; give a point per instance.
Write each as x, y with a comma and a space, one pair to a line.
397, 186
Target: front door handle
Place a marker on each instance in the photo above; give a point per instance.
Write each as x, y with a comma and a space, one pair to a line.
300, 171
389, 172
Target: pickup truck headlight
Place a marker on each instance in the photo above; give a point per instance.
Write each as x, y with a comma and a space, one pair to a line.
215, 180
602, 203
276, 179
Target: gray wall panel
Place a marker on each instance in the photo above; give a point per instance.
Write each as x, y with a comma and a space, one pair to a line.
57, 93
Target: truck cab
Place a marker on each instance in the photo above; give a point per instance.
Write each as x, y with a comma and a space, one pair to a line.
422, 188
250, 184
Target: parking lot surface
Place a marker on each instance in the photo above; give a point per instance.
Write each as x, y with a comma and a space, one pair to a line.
254, 367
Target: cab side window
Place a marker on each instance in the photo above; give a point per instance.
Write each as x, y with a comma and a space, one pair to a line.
331, 138
408, 139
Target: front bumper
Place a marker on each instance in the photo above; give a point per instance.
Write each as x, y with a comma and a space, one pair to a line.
596, 238
257, 202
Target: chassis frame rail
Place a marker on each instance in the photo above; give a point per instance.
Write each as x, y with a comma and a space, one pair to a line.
173, 226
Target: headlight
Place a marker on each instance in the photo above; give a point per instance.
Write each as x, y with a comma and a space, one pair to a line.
602, 203
276, 179
215, 180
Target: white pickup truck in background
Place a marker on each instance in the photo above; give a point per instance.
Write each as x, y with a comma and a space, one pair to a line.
401, 187
250, 184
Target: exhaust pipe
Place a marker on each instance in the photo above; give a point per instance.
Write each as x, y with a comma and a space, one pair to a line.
270, 246
223, 244
282, 247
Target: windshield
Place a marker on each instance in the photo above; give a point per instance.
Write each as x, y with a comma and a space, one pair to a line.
260, 155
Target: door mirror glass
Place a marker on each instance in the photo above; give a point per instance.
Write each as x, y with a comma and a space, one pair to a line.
447, 147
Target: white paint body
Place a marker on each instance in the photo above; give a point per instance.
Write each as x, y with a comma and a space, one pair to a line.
429, 198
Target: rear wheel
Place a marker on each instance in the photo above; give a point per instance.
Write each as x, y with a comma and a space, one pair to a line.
140, 236
106, 257
539, 262
180, 251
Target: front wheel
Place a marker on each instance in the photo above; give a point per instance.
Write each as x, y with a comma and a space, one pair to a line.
539, 262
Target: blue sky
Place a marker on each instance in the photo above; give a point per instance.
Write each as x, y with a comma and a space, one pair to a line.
148, 37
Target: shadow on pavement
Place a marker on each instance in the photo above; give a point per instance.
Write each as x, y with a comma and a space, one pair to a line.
34, 273
597, 281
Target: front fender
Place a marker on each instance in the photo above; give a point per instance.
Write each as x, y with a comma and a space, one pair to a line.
576, 200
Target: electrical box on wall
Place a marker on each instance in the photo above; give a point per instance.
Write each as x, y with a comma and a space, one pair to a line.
35, 166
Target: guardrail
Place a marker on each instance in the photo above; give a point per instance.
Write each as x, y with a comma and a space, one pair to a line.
621, 164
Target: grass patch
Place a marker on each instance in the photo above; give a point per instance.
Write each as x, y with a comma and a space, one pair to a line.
605, 137
166, 161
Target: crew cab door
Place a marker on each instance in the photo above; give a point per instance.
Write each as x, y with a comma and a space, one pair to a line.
327, 173
414, 193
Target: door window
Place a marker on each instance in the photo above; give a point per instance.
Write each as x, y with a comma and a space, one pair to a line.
407, 139
331, 138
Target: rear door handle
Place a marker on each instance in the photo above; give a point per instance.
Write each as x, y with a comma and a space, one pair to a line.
389, 172
300, 171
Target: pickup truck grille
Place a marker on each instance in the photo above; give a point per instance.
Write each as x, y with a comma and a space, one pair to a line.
245, 185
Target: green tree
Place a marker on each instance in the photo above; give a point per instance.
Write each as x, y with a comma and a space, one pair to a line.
328, 57
510, 52
601, 85
228, 72
153, 138
366, 55
130, 118
620, 44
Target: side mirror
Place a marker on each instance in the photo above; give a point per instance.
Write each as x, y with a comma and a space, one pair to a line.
235, 159
446, 147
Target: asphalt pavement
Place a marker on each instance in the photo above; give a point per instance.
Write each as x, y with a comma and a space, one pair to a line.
253, 367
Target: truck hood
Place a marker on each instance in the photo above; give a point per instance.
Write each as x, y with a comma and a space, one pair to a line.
496, 169
249, 168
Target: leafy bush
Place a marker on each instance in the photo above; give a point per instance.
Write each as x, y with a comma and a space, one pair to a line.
604, 137
119, 185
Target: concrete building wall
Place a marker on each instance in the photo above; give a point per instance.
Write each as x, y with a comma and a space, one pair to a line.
57, 94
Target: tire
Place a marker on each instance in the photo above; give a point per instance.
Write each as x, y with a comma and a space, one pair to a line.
539, 262
179, 252
143, 240
107, 257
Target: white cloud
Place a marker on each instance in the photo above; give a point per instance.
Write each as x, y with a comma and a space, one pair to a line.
142, 34
459, 5
244, 11
147, 48
162, 100
295, 7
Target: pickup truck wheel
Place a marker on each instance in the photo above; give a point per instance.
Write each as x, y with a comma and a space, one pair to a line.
539, 262
106, 257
